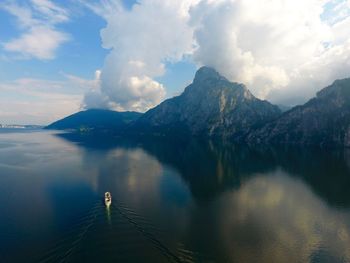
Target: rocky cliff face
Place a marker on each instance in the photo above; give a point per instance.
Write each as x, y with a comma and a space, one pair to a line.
324, 121
210, 106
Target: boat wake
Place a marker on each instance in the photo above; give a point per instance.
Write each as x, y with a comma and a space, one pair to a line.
115, 233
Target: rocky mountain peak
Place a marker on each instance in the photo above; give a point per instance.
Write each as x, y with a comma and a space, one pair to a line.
323, 120
209, 82
210, 106
207, 74
340, 87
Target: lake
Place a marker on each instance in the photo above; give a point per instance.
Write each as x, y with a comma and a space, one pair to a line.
173, 201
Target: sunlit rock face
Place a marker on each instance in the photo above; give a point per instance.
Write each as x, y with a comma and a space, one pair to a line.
324, 120
210, 106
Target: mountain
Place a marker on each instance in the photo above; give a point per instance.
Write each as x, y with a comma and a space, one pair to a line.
95, 119
323, 121
284, 108
210, 106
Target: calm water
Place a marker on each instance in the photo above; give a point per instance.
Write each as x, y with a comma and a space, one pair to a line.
187, 201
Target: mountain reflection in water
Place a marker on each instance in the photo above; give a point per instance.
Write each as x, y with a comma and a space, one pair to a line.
177, 201
211, 167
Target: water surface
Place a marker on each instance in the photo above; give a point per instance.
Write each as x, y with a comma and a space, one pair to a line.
173, 201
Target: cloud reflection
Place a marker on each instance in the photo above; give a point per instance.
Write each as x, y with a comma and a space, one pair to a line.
277, 218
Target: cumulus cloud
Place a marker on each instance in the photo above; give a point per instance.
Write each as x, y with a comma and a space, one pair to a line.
141, 41
283, 50
37, 21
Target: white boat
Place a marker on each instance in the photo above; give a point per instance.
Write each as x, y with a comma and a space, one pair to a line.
108, 199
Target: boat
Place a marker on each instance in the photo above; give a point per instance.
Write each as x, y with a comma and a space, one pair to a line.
108, 199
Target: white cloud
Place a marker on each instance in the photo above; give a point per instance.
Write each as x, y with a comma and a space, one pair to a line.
50, 11
279, 48
336, 10
37, 101
140, 40
39, 42
283, 50
39, 38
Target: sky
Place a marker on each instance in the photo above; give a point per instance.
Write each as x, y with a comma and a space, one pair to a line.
59, 57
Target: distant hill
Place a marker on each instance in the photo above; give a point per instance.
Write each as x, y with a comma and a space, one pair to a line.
210, 106
95, 119
324, 121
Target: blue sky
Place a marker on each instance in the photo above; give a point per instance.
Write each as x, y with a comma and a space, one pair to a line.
54, 60
80, 56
